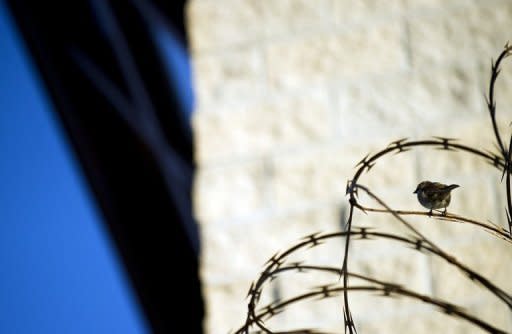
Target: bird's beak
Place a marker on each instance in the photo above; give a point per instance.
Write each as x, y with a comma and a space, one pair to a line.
415, 191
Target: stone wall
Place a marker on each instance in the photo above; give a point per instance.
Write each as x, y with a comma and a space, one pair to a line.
291, 94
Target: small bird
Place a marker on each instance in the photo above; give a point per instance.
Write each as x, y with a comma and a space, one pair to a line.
434, 195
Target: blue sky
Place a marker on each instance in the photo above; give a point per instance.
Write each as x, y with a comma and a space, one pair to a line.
59, 270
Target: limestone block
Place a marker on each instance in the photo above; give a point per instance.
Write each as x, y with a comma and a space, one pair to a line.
406, 268
488, 24
460, 33
494, 312
403, 266
502, 91
263, 129
321, 58
229, 136
392, 177
236, 251
226, 306
222, 193
214, 25
289, 17
486, 257
228, 78
442, 38
421, 6
301, 120
364, 11
376, 108
407, 104
419, 322
435, 163
312, 312
448, 93
313, 176
474, 132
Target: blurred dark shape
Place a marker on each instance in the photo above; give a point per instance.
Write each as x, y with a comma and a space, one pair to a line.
104, 69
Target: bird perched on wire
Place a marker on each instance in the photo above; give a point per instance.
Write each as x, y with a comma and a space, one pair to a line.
434, 195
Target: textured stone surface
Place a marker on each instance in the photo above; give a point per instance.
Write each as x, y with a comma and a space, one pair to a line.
445, 93
291, 95
419, 322
286, 17
456, 34
226, 297
414, 100
503, 98
494, 312
433, 5
312, 176
441, 38
314, 312
320, 59
219, 24
263, 129
228, 23
374, 105
229, 77
223, 193
396, 265
367, 11
489, 29
241, 250
487, 257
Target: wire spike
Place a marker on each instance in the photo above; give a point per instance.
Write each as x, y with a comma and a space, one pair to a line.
349, 187
274, 260
251, 290
363, 161
445, 138
364, 233
313, 239
445, 141
402, 150
505, 168
310, 236
398, 142
486, 99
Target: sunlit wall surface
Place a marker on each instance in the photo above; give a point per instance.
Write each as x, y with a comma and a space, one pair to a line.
59, 271
291, 95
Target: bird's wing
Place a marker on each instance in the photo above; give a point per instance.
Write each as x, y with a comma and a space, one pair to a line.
439, 188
